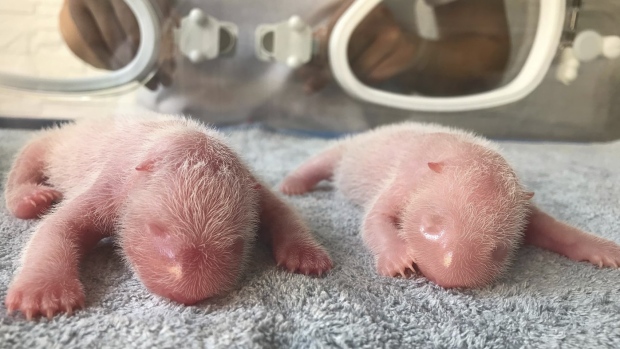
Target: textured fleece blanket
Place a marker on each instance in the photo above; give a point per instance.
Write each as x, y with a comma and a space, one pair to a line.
546, 301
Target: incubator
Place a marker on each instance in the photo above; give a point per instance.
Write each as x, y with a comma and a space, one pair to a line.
529, 69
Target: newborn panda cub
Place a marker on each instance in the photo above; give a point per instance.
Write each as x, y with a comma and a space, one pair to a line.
184, 208
443, 202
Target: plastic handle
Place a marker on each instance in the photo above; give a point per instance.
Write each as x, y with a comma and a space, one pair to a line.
202, 37
288, 42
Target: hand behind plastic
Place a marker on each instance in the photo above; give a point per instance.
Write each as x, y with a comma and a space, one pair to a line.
379, 49
105, 34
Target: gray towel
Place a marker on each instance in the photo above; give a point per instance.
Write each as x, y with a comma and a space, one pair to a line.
546, 301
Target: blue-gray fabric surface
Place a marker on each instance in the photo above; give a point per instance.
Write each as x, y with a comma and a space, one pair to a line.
546, 301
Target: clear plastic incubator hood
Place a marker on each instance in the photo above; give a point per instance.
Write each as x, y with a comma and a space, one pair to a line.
529, 69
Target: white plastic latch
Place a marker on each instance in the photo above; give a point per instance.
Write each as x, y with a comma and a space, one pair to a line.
568, 68
587, 46
201, 37
288, 42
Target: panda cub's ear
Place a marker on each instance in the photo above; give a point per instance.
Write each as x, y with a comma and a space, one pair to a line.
151, 160
436, 167
146, 166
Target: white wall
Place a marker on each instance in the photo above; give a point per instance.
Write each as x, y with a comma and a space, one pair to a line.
31, 44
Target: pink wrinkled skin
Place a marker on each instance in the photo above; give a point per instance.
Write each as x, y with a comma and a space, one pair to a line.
183, 206
442, 202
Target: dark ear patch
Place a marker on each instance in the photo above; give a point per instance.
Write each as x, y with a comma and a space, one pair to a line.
436, 167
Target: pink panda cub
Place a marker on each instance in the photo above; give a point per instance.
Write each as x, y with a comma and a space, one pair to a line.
442, 202
184, 207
